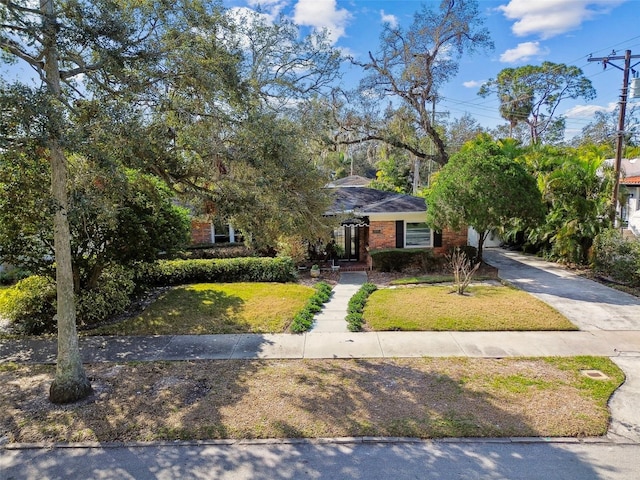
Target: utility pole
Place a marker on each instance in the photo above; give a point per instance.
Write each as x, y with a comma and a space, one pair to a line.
621, 117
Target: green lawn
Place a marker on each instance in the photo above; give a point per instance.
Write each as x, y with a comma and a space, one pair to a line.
210, 308
486, 308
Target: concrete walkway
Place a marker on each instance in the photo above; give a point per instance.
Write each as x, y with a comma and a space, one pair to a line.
609, 321
332, 317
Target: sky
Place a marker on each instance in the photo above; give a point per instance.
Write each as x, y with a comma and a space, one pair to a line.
525, 32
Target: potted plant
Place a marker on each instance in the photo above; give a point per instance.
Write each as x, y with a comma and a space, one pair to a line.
315, 271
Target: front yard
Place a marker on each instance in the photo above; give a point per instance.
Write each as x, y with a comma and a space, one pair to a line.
485, 308
216, 308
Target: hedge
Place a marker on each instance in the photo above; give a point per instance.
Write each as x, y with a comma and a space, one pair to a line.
398, 259
246, 269
303, 320
354, 318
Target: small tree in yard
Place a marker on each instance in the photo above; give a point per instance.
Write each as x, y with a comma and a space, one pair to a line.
482, 187
462, 268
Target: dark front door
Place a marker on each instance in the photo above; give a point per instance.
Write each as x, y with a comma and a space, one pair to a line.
348, 237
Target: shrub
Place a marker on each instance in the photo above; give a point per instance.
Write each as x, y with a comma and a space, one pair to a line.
398, 259
462, 268
292, 246
111, 297
247, 269
303, 320
10, 275
218, 250
30, 305
354, 318
617, 257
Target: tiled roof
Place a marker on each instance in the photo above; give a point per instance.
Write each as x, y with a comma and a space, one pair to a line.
630, 180
364, 201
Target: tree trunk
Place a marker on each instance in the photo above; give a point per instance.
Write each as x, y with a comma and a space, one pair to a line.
481, 238
70, 382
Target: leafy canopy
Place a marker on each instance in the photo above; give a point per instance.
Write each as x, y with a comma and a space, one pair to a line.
482, 187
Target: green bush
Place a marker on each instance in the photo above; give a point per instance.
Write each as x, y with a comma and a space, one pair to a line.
111, 297
303, 320
247, 269
217, 250
470, 251
617, 257
30, 305
398, 259
10, 275
354, 318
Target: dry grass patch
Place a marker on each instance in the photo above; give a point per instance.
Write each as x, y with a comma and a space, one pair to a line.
424, 398
484, 308
215, 308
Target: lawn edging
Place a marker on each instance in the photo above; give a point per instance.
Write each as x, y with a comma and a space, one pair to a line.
354, 318
303, 320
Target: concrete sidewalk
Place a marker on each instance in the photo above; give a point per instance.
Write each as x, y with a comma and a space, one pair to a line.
333, 345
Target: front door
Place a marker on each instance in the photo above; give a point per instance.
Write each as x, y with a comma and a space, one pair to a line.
348, 237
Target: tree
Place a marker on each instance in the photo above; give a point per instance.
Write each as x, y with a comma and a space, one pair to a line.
602, 129
244, 146
531, 94
413, 64
483, 188
462, 130
61, 40
576, 188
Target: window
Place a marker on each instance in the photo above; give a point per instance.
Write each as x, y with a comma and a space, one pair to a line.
417, 235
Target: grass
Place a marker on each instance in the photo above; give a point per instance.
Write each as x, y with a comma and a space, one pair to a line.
431, 279
209, 308
486, 308
426, 398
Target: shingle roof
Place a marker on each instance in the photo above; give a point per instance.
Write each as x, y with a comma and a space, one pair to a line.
351, 181
364, 201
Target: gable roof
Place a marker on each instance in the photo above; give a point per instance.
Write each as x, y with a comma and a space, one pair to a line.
351, 181
364, 201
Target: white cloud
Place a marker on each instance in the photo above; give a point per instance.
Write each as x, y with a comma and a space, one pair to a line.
392, 20
271, 7
472, 83
548, 18
523, 52
587, 111
322, 14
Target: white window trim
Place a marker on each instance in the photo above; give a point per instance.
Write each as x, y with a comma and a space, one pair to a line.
417, 246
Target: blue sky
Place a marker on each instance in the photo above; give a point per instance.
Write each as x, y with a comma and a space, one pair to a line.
524, 32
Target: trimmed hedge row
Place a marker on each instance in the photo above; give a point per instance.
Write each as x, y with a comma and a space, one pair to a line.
354, 318
246, 269
397, 259
303, 320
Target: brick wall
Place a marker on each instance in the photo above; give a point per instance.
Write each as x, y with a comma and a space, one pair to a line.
200, 232
451, 238
382, 235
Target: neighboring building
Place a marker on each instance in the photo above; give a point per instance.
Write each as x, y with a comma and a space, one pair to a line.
630, 179
375, 219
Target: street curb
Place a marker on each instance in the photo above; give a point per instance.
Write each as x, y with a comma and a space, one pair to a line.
319, 441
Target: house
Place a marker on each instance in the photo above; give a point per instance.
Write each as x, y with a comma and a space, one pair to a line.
374, 220
630, 180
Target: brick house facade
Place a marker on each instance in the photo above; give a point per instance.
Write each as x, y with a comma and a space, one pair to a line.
378, 220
